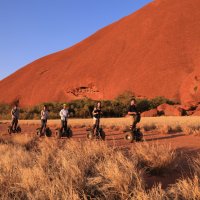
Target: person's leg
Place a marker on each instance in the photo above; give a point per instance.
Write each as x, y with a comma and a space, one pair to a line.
62, 126
12, 123
134, 122
42, 126
15, 124
137, 119
65, 125
45, 123
98, 124
94, 124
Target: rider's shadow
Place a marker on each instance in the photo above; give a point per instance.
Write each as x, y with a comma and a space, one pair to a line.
114, 139
165, 137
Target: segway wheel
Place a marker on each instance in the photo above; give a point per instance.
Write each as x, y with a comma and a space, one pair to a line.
129, 137
102, 134
9, 129
48, 132
90, 135
139, 136
69, 133
59, 133
18, 130
38, 131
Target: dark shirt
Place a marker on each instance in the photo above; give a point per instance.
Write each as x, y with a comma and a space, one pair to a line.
15, 113
97, 113
132, 108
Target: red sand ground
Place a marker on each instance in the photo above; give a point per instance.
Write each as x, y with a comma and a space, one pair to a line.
189, 145
152, 52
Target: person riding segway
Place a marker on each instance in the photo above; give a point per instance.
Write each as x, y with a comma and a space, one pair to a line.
134, 133
64, 131
96, 132
14, 128
44, 130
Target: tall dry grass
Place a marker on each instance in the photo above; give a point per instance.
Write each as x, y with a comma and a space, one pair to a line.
35, 168
156, 158
164, 125
53, 169
188, 121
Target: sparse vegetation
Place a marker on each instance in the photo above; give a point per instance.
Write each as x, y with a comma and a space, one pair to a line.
31, 168
164, 125
155, 158
83, 108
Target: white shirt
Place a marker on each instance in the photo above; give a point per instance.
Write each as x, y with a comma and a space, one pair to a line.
44, 114
64, 114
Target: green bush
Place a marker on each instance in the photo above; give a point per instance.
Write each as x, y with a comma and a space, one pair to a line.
155, 102
83, 108
143, 105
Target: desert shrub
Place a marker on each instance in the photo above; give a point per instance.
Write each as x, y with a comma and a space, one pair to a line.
4, 108
155, 158
143, 105
82, 108
194, 130
170, 129
155, 102
185, 189
31, 168
149, 127
155, 193
35, 169
195, 163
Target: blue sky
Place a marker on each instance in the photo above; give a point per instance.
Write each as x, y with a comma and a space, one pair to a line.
30, 29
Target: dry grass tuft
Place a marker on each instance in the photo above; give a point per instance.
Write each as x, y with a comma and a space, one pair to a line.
51, 169
195, 163
35, 168
185, 189
169, 129
149, 127
155, 158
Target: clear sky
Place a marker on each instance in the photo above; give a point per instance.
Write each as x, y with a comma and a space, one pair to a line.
30, 29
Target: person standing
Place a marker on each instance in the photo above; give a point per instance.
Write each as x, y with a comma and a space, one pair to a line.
64, 114
96, 116
44, 118
15, 117
134, 113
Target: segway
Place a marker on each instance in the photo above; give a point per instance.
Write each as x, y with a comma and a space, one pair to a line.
17, 130
46, 132
66, 132
134, 135
98, 135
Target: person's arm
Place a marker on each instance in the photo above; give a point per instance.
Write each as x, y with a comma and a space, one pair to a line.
41, 113
68, 115
12, 113
61, 114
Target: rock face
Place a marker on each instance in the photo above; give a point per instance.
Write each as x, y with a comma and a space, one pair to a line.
152, 52
196, 113
170, 110
162, 108
150, 113
173, 111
